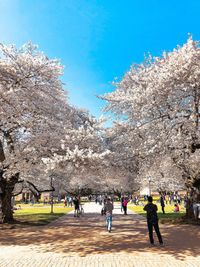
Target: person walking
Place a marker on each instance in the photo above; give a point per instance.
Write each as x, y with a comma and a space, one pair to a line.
152, 220
103, 211
109, 209
125, 203
76, 207
162, 203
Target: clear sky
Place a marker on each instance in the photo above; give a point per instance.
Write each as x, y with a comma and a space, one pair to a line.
98, 40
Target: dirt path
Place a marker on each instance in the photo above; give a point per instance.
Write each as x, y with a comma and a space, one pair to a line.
70, 239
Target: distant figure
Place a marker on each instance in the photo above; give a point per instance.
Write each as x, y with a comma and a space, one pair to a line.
32, 201
108, 209
152, 220
179, 199
45, 200
103, 210
175, 198
125, 203
122, 200
185, 201
76, 207
162, 203
65, 202
176, 208
170, 199
70, 201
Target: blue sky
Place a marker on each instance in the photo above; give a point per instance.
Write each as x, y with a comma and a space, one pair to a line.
98, 40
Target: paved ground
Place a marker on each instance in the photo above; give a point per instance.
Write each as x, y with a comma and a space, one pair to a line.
84, 242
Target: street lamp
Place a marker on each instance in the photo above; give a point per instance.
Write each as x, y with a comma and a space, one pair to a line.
51, 184
149, 178
121, 200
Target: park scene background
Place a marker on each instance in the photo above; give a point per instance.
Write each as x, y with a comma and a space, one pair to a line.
99, 99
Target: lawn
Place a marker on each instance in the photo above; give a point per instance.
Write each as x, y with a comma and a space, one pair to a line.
39, 214
169, 216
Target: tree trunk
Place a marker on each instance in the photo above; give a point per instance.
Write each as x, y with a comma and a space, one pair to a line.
2, 156
6, 206
7, 187
189, 209
194, 197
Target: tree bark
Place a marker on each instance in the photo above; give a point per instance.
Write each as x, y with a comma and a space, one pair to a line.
7, 187
189, 209
2, 156
7, 209
194, 198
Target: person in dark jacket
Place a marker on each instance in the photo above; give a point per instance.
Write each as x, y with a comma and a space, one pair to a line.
122, 200
76, 206
162, 203
152, 221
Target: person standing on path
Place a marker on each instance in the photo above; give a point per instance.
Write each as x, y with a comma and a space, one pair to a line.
108, 209
152, 220
125, 203
162, 203
122, 200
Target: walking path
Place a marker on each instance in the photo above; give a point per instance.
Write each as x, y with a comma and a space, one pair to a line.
84, 242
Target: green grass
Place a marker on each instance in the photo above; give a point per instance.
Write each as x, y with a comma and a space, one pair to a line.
169, 217
39, 214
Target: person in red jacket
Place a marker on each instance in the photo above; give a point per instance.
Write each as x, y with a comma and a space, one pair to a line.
125, 203
176, 208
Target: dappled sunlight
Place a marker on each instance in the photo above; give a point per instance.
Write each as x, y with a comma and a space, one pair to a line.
87, 235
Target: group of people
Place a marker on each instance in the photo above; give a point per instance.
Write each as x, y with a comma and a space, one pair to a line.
101, 199
162, 203
152, 217
68, 201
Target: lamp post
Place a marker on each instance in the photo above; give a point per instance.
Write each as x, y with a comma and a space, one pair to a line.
51, 184
149, 178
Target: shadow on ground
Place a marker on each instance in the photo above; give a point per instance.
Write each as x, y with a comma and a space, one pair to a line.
88, 235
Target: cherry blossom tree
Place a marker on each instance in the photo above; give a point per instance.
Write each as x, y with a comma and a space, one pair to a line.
32, 102
40, 134
123, 163
158, 102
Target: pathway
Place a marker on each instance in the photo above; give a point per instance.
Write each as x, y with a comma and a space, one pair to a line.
84, 242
